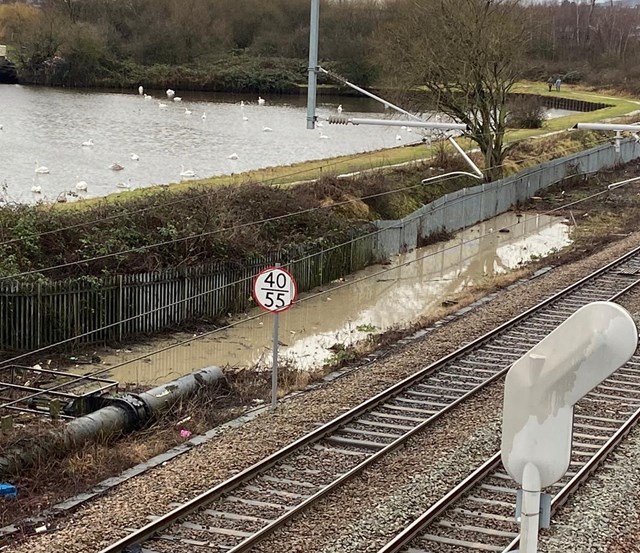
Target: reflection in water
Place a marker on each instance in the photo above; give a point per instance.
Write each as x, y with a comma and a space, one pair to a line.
372, 300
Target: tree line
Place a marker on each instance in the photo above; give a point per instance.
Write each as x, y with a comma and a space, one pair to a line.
583, 40
102, 40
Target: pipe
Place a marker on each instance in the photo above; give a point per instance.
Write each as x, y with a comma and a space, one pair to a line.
125, 413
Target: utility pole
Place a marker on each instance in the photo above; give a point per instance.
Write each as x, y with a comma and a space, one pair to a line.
313, 63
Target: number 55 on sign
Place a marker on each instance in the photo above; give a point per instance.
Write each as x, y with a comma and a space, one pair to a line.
274, 289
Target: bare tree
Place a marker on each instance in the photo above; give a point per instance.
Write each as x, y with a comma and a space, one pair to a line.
466, 53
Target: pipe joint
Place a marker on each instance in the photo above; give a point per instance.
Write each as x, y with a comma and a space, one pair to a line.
137, 410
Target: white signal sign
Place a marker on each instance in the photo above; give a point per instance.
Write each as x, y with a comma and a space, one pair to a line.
275, 289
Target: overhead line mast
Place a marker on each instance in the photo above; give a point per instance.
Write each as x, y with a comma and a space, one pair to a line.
312, 118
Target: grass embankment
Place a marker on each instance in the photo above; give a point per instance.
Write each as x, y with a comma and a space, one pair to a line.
203, 223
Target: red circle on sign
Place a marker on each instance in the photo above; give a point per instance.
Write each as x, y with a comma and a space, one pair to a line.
272, 293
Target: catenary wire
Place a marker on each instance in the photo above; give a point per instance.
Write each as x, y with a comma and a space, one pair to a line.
208, 192
307, 298
147, 247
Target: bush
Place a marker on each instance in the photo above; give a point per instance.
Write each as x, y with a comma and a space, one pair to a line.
572, 77
525, 112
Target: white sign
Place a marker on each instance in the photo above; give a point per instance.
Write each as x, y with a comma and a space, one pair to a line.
274, 289
542, 387
541, 390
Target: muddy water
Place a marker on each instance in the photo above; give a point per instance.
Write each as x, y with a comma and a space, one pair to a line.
373, 300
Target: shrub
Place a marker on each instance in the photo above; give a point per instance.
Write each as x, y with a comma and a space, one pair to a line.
572, 77
525, 112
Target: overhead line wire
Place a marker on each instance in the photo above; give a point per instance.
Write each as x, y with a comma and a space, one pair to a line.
147, 247
307, 298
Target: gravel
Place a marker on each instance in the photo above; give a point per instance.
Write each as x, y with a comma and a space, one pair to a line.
449, 450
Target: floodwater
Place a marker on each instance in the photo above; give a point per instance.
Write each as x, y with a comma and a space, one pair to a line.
378, 298
47, 127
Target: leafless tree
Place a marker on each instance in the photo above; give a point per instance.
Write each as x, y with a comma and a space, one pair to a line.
466, 54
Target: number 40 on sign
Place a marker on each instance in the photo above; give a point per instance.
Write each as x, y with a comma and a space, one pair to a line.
274, 289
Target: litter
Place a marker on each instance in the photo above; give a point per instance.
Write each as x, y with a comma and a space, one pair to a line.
8, 490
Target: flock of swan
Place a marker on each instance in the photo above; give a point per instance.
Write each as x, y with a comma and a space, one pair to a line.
171, 95
82, 185
185, 173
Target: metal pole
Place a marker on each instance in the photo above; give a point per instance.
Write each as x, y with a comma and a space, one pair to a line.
313, 64
466, 158
274, 368
337, 120
530, 514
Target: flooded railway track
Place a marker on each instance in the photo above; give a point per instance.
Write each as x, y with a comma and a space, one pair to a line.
238, 513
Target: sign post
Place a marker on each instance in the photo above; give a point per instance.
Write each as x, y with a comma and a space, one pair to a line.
275, 290
541, 390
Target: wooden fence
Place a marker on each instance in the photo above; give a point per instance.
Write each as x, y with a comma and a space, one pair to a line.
118, 308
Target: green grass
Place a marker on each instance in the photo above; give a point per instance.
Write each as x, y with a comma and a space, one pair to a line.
620, 107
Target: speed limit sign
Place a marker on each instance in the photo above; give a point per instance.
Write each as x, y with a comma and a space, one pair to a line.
274, 289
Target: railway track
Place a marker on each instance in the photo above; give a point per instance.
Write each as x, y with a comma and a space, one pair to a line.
236, 514
479, 514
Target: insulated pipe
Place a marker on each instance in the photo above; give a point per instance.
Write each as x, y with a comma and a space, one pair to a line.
126, 413
336, 120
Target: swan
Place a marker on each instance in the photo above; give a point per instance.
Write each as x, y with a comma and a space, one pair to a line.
261, 101
116, 167
36, 189
233, 156
245, 118
187, 173
340, 108
267, 129
124, 184
41, 169
204, 116
177, 99
241, 104
88, 143
135, 157
324, 136
148, 97
140, 90
81, 185
187, 111
162, 106
398, 137
170, 93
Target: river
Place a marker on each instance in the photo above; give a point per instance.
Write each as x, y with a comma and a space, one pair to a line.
208, 134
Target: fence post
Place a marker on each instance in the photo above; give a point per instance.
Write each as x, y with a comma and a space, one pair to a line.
120, 307
39, 317
464, 207
351, 254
